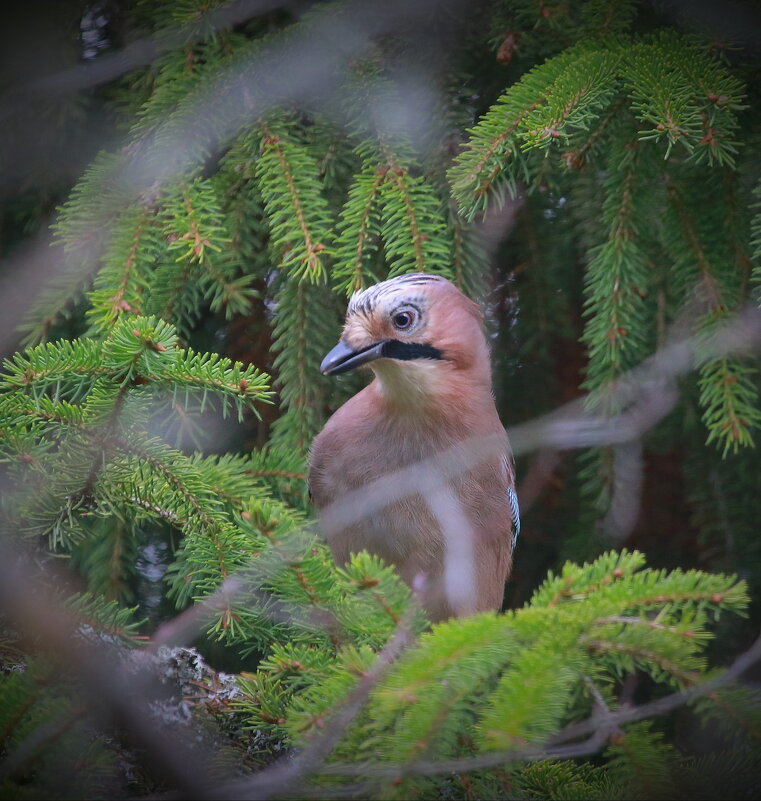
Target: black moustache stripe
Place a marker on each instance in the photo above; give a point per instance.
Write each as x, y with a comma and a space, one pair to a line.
407, 351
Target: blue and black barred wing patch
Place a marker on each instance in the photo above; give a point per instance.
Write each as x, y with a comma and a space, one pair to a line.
516, 512
513, 499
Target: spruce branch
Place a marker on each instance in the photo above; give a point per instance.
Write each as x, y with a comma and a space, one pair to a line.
83, 227
617, 283
236, 185
389, 201
303, 333
127, 261
491, 160
576, 99
200, 501
591, 142
469, 255
32, 603
728, 394
561, 745
65, 368
413, 237
427, 701
641, 758
755, 237
686, 95
221, 184
298, 214
206, 269
359, 230
312, 758
618, 278
139, 352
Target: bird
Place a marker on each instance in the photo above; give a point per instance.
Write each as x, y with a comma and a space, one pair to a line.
449, 528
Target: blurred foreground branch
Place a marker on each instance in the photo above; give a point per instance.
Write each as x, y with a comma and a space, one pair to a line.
136, 54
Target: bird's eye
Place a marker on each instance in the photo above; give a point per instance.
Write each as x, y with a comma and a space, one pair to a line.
403, 320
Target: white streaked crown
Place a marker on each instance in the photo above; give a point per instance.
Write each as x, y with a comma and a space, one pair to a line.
367, 300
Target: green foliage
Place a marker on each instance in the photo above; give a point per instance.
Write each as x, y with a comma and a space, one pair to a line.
299, 221
199, 266
640, 762
582, 100
305, 308
621, 149
76, 434
127, 265
500, 682
565, 781
29, 700
360, 230
756, 234
617, 276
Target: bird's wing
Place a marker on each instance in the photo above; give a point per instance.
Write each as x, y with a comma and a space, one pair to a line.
514, 507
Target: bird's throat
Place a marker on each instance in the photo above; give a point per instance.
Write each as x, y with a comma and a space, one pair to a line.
412, 387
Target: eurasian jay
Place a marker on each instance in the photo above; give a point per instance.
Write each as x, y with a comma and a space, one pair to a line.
424, 341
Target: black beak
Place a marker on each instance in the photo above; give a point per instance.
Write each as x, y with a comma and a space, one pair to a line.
343, 358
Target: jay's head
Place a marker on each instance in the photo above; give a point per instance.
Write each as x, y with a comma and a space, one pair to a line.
410, 326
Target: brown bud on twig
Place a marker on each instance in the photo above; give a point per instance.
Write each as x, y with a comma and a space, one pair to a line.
507, 48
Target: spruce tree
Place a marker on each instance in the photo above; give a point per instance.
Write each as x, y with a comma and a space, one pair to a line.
242, 205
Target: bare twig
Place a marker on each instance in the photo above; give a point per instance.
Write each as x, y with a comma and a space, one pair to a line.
601, 710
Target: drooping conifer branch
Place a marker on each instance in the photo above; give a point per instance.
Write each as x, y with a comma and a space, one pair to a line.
728, 394
617, 278
119, 285
297, 210
357, 242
